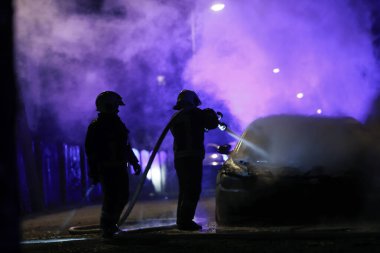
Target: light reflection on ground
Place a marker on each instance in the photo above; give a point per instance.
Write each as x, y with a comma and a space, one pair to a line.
53, 240
157, 220
167, 227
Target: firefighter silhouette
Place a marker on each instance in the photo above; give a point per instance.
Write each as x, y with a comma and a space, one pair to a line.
188, 130
108, 153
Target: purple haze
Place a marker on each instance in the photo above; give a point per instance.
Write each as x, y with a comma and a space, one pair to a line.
322, 49
67, 53
70, 51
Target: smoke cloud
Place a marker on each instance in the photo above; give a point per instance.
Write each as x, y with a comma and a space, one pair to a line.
298, 57
70, 51
252, 59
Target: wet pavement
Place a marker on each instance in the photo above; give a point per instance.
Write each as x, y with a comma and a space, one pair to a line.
151, 226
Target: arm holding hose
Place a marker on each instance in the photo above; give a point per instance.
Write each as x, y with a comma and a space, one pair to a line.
214, 122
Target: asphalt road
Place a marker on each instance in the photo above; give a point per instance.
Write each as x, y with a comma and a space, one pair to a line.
150, 227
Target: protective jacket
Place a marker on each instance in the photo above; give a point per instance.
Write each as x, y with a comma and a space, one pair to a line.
107, 145
188, 131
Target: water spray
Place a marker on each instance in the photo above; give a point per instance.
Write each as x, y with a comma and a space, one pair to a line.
249, 144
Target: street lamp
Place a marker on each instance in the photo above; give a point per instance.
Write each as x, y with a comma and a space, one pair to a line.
216, 7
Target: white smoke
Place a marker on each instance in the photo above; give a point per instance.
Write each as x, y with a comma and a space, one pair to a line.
67, 56
322, 49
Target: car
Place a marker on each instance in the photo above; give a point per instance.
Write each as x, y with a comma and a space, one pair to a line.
294, 169
211, 163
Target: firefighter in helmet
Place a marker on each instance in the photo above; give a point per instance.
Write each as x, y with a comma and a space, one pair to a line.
188, 129
108, 153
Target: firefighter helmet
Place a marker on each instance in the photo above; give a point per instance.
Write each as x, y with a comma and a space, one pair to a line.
187, 98
108, 101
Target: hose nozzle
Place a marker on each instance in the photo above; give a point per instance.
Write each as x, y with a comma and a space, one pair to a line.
222, 126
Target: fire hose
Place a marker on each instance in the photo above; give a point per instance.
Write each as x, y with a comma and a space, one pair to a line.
95, 228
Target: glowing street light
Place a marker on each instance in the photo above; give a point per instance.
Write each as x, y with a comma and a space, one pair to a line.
161, 80
276, 70
217, 7
299, 95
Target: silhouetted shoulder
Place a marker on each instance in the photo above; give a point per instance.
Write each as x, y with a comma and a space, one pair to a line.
93, 123
210, 118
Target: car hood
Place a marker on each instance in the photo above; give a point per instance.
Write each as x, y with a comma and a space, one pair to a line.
299, 145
